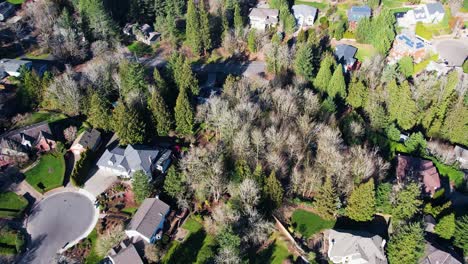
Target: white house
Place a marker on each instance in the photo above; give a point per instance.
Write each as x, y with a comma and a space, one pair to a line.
428, 14
304, 14
263, 18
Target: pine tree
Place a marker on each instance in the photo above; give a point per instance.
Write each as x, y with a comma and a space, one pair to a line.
301, 36
161, 116
132, 78
361, 203
325, 200
205, 28
174, 183
454, 127
242, 170
183, 75
445, 228
160, 83
141, 186
303, 61
407, 202
337, 85
324, 74
183, 114
405, 66
252, 40
192, 29
461, 229
238, 20
258, 175
401, 107
273, 191
99, 114
128, 125
357, 94
406, 245
98, 20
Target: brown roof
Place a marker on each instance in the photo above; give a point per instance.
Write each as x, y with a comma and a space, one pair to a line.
148, 216
423, 169
31, 133
127, 255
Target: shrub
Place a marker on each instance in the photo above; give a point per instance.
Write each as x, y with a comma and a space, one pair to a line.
465, 64
81, 169
140, 49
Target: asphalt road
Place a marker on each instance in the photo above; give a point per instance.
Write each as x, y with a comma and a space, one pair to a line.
56, 220
453, 50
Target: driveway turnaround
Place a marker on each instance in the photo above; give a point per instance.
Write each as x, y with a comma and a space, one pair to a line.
55, 221
454, 51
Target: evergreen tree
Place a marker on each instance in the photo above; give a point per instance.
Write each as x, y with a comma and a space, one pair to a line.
405, 66
258, 175
273, 191
445, 228
160, 83
382, 198
407, 202
128, 125
31, 89
461, 229
183, 114
406, 245
183, 75
238, 20
301, 36
361, 203
325, 200
99, 114
97, 19
141, 186
383, 31
357, 94
337, 85
416, 142
192, 29
252, 40
364, 30
161, 116
132, 78
401, 107
205, 28
324, 74
393, 133
455, 124
303, 61
286, 18
242, 170
174, 183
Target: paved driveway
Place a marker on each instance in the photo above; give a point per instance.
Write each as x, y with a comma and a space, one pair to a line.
453, 50
99, 181
55, 221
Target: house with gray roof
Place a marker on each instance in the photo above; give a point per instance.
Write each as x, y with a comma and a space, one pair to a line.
344, 55
88, 140
148, 221
355, 247
263, 18
430, 13
6, 10
13, 67
126, 161
126, 254
304, 14
356, 13
433, 254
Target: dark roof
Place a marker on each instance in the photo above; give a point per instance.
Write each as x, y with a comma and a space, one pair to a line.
433, 8
435, 255
424, 169
355, 13
6, 8
149, 215
127, 255
89, 139
31, 133
345, 54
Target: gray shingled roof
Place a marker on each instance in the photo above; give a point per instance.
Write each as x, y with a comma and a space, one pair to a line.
434, 255
355, 13
149, 215
132, 158
433, 8
345, 54
13, 65
347, 243
267, 14
89, 138
127, 255
304, 10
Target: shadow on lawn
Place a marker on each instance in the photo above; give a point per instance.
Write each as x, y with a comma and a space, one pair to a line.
187, 252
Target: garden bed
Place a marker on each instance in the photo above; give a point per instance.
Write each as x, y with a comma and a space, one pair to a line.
12, 205
48, 174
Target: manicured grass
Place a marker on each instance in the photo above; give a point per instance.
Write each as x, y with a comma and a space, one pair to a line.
423, 64
93, 256
427, 31
393, 3
11, 241
40, 116
276, 253
37, 57
423, 31
318, 5
364, 53
198, 247
400, 9
130, 210
11, 204
48, 173
308, 223
16, 2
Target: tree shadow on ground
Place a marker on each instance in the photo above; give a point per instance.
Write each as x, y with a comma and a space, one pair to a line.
187, 252
31, 250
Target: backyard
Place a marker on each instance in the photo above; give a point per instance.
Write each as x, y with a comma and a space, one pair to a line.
276, 253
48, 174
198, 246
11, 204
308, 223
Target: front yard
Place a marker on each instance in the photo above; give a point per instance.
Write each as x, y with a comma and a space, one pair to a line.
308, 224
11, 204
48, 174
11, 241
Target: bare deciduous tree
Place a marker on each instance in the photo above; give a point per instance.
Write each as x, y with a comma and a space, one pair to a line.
64, 93
70, 133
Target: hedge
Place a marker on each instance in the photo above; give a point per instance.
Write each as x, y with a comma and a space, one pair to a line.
81, 169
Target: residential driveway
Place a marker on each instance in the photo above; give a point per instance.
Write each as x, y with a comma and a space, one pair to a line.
99, 181
55, 221
454, 51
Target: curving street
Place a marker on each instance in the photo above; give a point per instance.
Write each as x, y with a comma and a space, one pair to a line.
56, 220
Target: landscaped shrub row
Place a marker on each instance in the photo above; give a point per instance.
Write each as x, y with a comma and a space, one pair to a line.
81, 169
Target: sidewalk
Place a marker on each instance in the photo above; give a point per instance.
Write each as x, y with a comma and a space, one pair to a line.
24, 187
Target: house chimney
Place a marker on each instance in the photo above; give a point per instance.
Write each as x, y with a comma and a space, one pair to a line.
383, 243
157, 197
149, 159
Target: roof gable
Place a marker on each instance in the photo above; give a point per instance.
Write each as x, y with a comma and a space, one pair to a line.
148, 216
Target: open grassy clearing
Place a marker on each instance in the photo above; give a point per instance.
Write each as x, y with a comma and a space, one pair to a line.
16, 2
48, 174
276, 253
423, 64
308, 223
40, 116
11, 204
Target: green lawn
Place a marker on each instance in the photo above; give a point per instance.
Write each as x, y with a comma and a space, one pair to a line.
364, 53
423, 64
130, 210
276, 253
48, 173
11, 241
140, 49
318, 5
393, 3
198, 247
16, 2
427, 31
308, 223
93, 256
40, 116
37, 57
11, 204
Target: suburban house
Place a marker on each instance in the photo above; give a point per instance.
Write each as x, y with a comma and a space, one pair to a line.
126, 161
125, 253
418, 169
16, 145
355, 247
148, 221
356, 13
461, 156
407, 45
304, 14
88, 140
13, 67
344, 55
263, 18
427, 14
6, 10
144, 34
434, 255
